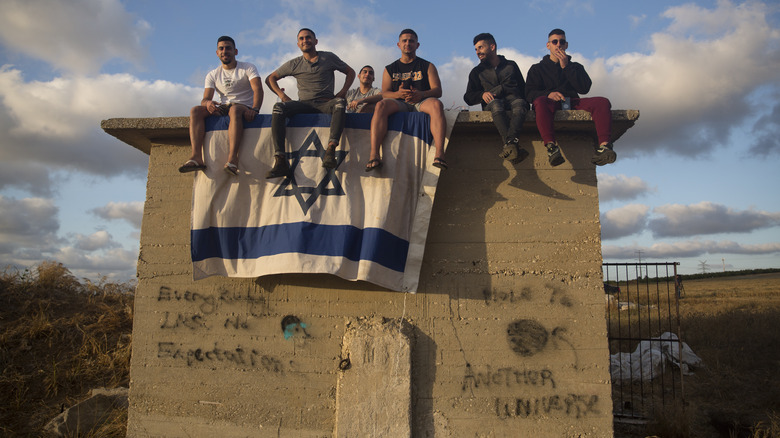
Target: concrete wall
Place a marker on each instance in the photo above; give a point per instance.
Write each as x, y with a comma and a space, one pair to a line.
506, 336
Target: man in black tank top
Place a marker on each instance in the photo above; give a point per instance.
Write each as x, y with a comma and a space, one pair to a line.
409, 84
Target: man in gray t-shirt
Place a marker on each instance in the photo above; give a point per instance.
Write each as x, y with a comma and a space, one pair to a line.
316, 83
363, 99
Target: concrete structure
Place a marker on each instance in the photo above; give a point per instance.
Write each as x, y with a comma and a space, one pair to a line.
505, 337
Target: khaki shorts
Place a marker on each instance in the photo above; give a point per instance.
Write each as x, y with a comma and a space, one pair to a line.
406, 107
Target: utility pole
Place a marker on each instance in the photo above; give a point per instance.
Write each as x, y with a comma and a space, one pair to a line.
703, 266
639, 257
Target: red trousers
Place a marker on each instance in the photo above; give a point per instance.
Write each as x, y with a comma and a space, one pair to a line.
599, 107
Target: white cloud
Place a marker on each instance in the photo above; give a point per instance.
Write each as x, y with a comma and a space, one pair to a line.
132, 212
34, 178
695, 85
27, 226
27, 217
624, 221
690, 248
117, 264
708, 218
95, 241
74, 35
56, 123
621, 187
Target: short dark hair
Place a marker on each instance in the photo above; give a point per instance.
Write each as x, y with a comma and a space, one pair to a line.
313, 35
361, 68
556, 31
409, 31
485, 37
226, 38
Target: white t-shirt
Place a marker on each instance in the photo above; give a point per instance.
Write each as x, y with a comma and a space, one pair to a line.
233, 86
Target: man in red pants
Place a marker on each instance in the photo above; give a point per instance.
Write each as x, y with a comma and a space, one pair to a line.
556, 80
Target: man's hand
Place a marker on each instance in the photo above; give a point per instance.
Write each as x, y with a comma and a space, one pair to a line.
556, 96
560, 53
412, 96
212, 107
283, 96
488, 97
250, 114
353, 105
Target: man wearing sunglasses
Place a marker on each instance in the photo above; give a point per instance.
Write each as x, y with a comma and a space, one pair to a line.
363, 98
497, 84
556, 80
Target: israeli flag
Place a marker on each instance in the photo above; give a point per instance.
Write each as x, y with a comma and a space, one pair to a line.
357, 225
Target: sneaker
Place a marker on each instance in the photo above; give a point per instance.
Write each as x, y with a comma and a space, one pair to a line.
554, 154
329, 160
280, 169
513, 152
604, 155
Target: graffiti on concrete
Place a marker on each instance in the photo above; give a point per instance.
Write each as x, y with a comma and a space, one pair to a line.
186, 320
293, 326
554, 293
571, 405
204, 308
527, 337
216, 355
509, 377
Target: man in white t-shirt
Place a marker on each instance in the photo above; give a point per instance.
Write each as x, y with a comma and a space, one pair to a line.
363, 99
240, 92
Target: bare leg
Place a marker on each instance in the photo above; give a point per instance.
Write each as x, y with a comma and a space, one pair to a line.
198, 116
384, 108
435, 109
235, 131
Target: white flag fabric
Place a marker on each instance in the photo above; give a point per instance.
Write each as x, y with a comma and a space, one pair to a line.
354, 224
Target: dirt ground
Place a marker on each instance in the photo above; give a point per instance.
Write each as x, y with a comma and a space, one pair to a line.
732, 324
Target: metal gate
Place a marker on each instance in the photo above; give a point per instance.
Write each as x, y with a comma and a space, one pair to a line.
643, 327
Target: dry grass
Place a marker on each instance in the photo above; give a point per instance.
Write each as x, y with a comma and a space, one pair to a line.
59, 338
731, 323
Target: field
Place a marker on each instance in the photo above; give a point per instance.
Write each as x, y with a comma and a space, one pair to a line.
732, 324
61, 337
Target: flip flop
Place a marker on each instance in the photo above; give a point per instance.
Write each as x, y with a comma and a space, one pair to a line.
441, 163
231, 169
191, 166
369, 166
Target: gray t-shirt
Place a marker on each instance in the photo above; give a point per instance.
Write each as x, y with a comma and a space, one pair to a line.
315, 80
355, 94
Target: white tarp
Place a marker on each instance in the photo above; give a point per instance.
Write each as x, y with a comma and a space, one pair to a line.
650, 359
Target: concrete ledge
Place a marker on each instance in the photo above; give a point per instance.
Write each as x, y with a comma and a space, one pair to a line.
141, 133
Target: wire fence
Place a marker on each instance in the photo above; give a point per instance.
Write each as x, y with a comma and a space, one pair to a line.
643, 328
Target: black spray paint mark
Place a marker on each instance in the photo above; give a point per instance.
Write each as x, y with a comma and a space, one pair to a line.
526, 337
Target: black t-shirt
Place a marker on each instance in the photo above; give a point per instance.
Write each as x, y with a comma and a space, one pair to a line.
414, 74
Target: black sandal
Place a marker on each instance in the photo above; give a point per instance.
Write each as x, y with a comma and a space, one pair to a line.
369, 166
441, 163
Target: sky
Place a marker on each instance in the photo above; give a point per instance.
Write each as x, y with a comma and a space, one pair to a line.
696, 179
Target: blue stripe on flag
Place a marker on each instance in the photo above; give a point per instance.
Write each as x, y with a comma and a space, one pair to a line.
372, 244
414, 124
220, 123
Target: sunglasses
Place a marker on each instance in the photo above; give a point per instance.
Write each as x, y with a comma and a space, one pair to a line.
556, 41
